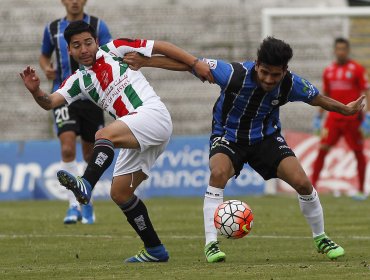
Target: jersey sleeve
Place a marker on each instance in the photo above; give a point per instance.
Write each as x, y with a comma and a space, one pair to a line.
302, 90
122, 46
47, 46
221, 71
70, 88
104, 36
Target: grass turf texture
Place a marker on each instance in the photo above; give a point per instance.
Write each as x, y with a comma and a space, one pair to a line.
35, 244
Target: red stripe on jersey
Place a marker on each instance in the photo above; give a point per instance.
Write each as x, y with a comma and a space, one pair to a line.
103, 72
136, 43
64, 82
120, 107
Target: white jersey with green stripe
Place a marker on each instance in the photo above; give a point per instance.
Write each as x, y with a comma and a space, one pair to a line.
109, 83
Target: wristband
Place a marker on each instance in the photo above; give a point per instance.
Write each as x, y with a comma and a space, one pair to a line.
194, 63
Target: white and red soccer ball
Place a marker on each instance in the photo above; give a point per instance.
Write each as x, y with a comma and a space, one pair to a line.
233, 219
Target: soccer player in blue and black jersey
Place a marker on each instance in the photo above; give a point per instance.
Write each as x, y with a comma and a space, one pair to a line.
246, 129
81, 118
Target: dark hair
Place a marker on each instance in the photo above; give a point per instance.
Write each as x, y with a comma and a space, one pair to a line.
77, 27
274, 52
341, 40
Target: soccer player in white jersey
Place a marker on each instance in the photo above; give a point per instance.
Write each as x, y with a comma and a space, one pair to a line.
141, 130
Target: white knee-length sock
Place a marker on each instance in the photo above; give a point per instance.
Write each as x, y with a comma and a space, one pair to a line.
72, 168
212, 198
311, 209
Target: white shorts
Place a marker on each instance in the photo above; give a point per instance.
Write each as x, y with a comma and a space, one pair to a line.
152, 127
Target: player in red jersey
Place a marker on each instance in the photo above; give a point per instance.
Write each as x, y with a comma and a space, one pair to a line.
344, 80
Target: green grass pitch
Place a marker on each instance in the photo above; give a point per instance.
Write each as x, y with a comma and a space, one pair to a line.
34, 243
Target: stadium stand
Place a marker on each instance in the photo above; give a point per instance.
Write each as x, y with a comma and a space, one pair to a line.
228, 30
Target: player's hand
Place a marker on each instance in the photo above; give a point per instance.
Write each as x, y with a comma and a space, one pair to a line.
203, 72
354, 106
365, 125
135, 60
50, 72
30, 79
317, 124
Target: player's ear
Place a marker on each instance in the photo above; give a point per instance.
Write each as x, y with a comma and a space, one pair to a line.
285, 69
69, 50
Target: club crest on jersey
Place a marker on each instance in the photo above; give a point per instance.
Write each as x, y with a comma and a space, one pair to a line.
105, 78
274, 102
280, 139
348, 74
212, 63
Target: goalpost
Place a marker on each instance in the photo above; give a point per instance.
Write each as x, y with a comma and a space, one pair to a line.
268, 15
311, 33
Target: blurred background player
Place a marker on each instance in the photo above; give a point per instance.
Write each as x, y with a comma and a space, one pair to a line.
82, 117
344, 80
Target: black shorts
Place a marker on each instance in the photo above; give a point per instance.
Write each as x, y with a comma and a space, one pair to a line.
82, 116
264, 157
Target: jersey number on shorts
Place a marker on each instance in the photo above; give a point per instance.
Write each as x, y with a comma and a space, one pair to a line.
61, 114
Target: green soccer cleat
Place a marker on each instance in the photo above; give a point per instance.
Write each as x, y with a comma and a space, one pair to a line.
325, 245
213, 253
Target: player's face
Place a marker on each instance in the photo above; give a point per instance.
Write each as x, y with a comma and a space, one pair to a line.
269, 76
341, 52
74, 7
83, 48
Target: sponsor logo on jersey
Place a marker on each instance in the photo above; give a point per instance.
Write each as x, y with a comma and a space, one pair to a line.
308, 88
274, 102
280, 139
283, 147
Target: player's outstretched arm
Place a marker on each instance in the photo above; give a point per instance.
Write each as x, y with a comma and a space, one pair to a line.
332, 105
32, 83
176, 53
136, 61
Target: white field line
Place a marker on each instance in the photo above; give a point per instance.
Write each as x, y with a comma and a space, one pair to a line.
102, 236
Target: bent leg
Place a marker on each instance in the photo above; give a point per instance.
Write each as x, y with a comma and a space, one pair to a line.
122, 193
292, 173
115, 135
222, 170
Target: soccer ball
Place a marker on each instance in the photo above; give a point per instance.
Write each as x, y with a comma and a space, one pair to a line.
233, 219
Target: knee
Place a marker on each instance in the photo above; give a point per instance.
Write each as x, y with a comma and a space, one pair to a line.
87, 157
120, 197
68, 152
103, 133
219, 176
302, 185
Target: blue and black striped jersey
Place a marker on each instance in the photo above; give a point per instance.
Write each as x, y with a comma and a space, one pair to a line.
244, 112
54, 40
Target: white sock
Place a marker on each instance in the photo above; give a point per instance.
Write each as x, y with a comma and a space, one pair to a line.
72, 168
311, 208
212, 198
